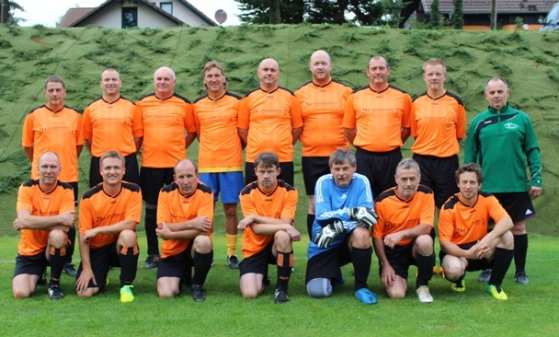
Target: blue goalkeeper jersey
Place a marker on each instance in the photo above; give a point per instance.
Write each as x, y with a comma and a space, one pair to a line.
332, 203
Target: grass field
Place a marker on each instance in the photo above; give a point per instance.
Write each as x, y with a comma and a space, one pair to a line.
528, 312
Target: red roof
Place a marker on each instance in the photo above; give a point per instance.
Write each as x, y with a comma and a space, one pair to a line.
484, 6
73, 15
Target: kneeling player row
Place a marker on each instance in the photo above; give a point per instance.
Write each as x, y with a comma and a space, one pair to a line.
341, 232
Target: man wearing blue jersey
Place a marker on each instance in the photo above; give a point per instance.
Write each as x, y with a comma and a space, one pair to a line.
340, 232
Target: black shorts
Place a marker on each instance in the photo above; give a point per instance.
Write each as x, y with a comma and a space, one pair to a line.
74, 185
473, 265
101, 259
287, 173
327, 265
130, 174
152, 180
313, 168
32, 265
438, 174
517, 204
258, 263
379, 168
179, 265
400, 259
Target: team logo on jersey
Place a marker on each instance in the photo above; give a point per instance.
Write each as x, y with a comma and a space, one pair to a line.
343, 197
510, 126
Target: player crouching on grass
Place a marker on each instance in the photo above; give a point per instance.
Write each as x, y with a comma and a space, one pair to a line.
402, 234
340, 232
185, 210
268, 206
465, 242
109, 214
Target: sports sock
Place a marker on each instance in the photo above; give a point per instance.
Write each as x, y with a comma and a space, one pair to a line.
56, 261
70, 250
501, 263
202, 265
425, 265
128, 257
361, 259
231, 243
150, 226
520, 252
310, 221
284, 262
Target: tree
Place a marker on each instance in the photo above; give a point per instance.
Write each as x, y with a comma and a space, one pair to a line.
365, 12
435, 17
8, 16
271, 11
458, 14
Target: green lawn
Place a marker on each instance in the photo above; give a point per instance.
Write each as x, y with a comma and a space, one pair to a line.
528, 312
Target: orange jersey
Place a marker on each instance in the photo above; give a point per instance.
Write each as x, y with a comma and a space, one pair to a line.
99, 209
30, 197
58, 131
173, 207
460, 224
395, 214
165, 125
112, 126
323, 109
269, 118
281, 203
378, 118
220, 147
436, 125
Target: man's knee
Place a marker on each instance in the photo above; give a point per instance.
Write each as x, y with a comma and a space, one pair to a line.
127, 238
282, 241
424, 244
360, 238
230, 210
202, 244
507, 241
57, 238
319, 288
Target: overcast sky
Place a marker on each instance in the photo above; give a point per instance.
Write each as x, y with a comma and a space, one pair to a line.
48, 12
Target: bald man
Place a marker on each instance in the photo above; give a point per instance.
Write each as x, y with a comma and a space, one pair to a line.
184, 219
270, 120
323, 102
168, 131
45, 213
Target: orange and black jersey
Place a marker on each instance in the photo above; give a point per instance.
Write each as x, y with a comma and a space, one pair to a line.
323, 109
58, 131
216, 120
396, 214
30, 197
269, 118
98, 209
174, 207
165, 122
460, 223
437, 124
281, 203
378, 117
112, 126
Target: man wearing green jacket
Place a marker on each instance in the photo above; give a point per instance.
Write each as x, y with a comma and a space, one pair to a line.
502, 140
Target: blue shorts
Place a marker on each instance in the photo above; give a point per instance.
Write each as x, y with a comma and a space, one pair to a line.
229, 184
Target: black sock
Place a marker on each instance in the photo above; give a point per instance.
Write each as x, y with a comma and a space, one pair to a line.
128, 257
284, 262
501, 263
425, 265
56, 261
150, 226
310, 221
520, 252
70, 249
361, 259
202, 265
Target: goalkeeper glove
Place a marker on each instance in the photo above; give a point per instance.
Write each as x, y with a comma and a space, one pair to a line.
366, 217
327, 234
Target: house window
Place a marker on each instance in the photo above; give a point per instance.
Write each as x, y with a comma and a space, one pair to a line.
167, 7
129, 17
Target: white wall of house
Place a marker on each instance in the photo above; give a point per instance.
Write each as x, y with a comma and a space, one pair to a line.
112, 18
182, 13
